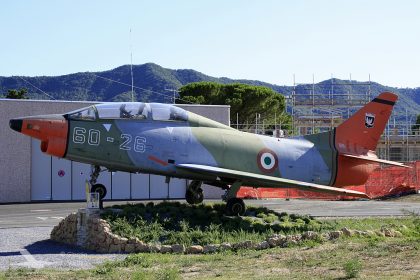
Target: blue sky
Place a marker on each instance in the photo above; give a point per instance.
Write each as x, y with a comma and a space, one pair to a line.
264, 40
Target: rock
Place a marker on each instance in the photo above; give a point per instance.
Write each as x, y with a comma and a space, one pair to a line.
347, 232
226, 246
360, 233
178, 248
116, 240
243, 245
370, 233
166, 249
154, 248
388, 232
114, 248
335, 234
133, 240
310, 235
276, 240
103, 249
262, 245
210, 249
273, 241
123, 240
130, 248
325, 235
194, 249
142, 247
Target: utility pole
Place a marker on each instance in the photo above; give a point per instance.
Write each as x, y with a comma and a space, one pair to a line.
174, 91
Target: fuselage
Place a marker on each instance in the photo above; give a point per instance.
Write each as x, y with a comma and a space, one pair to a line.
154, 138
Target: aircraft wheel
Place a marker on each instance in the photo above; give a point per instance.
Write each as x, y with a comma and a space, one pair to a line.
235, 207
99, 188
194, 197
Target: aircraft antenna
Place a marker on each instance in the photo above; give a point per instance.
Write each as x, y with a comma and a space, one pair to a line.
131, 69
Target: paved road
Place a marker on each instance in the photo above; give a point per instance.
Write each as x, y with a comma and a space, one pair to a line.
49, 214
25, 228
318, 208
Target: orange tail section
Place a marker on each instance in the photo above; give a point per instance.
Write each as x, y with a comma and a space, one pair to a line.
359, 136
360, 133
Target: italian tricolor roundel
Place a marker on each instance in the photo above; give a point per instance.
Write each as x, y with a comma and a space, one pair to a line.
267, 161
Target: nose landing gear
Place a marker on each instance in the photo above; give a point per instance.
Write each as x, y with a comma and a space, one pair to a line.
97, 188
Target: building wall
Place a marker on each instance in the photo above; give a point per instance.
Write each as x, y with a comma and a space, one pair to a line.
15, 149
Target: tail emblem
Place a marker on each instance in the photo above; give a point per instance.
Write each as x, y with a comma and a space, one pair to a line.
369, 120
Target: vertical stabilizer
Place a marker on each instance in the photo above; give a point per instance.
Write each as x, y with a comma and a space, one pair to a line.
362, 131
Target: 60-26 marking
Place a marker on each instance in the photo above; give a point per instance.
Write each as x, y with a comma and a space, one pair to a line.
139, 143
94, 138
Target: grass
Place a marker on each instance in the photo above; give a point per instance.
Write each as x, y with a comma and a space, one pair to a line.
176, 223
391, 258
371, 257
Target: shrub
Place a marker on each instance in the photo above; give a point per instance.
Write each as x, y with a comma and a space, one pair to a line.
352, 268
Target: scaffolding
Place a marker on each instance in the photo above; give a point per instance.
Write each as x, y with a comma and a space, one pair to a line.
321, 107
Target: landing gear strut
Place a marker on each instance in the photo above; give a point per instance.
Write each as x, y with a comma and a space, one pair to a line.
234, 206
194, 193
97, 188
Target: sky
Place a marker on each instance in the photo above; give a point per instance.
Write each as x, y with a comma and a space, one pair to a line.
272, 41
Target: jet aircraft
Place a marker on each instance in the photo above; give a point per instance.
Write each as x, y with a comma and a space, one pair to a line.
166, 140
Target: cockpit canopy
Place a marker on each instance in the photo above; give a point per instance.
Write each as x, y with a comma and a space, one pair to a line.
130, 110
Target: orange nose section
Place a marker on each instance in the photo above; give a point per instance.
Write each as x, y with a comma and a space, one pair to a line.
52, 130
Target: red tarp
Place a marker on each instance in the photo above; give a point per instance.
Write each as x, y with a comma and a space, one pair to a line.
383, 182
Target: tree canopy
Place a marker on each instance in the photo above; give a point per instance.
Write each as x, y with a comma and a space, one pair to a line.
246, 101
416, 128
17, 94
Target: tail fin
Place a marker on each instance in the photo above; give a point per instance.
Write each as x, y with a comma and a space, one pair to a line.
362, 131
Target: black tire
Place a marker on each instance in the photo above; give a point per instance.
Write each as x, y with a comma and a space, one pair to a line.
99, 188
194, 197
235, 207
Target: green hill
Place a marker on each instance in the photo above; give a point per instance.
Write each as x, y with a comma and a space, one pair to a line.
152, 82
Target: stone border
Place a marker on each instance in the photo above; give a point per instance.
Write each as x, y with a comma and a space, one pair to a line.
87, 230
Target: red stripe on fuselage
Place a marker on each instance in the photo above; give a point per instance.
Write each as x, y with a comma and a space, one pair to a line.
157, 160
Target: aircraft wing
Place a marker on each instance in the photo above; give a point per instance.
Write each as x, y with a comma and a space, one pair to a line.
378, 160
258, 180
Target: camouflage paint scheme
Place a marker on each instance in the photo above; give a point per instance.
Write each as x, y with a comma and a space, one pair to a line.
162, 144
166, 140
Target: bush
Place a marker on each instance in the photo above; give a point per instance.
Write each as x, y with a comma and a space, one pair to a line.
352, 268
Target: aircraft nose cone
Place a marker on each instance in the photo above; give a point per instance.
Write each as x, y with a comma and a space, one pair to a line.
16, 124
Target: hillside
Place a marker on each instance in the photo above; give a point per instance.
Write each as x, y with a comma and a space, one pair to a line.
152, 82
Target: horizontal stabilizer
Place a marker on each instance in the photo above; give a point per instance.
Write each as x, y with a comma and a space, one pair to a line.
258, 180
378, 160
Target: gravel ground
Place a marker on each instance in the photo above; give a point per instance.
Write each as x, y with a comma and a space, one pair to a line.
31, 248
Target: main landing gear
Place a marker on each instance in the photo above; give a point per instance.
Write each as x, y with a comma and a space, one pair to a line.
194, 193
97, 188
234, 206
